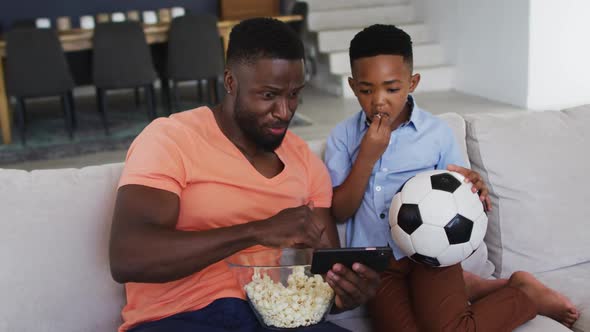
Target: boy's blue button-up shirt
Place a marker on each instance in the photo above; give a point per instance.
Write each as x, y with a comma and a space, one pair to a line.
423, 143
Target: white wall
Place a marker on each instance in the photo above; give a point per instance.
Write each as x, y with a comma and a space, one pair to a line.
530, 53
440, 17
486, 41
492, 52
559, 49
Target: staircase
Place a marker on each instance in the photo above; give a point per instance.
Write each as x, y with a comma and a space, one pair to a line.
335, 22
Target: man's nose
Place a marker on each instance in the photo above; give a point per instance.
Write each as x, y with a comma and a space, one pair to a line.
282, 110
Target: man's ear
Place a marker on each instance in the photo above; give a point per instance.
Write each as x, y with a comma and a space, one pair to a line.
229, 82
414, 81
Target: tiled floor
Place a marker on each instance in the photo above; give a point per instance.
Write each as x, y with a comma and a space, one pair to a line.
323, 110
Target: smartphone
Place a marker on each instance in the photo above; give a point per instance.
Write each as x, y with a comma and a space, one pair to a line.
375, 258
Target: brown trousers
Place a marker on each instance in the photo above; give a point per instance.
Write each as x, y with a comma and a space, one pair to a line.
414, 297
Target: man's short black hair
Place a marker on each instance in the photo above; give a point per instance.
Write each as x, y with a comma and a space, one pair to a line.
260, 38
381, 39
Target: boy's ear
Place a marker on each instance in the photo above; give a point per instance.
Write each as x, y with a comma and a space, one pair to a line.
414, 81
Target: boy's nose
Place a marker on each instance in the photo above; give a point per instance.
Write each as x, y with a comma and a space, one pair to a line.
378, 100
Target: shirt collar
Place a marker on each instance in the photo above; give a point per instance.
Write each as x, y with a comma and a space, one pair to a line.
415, 117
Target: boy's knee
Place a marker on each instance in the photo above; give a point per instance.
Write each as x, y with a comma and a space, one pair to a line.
518, 278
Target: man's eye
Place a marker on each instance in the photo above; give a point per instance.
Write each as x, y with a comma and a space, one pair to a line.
294, 94
365, 92
268, 95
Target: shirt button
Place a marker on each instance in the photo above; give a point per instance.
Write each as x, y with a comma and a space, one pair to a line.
382, 216
378, 188
384, 169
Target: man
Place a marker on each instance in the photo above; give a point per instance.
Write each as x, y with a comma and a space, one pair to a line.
204, 184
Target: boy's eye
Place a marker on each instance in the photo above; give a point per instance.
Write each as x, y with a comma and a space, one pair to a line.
392, 90
365, 92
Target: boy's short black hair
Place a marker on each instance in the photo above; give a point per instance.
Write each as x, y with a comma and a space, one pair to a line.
259, 38
381, 39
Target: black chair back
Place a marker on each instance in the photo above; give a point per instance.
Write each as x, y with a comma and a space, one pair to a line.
36, 64
121, 56
23, 23
299, 8
195, 50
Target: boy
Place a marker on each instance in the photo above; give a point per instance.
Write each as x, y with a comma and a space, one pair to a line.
369, 157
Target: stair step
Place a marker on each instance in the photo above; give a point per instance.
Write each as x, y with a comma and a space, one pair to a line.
324, 80
319, 5
438, 78
360, 17
339, 40
425, 55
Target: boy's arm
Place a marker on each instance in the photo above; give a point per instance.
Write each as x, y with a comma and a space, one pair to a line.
349, 195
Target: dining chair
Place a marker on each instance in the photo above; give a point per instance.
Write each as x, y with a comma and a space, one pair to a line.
195, 53
122, 60
36, 67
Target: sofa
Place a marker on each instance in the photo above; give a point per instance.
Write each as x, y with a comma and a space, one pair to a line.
55, 224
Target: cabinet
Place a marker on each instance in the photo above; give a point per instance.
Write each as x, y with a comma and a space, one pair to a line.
242, 9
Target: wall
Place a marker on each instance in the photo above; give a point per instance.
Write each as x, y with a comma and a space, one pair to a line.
440, 16
492, 52
559, 66
486, 41
529, 53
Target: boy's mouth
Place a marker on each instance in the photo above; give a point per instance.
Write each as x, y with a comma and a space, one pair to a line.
376, 115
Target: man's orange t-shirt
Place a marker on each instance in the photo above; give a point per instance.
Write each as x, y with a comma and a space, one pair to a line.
187, 154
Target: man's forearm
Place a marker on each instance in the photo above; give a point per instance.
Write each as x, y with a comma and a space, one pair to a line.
330, 237
349, 195
149, 253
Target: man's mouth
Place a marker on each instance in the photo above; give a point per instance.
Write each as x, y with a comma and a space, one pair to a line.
277, 131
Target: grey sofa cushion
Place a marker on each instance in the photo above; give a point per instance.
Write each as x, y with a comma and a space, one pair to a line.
536, 164
542, 324
573, 282
54, 236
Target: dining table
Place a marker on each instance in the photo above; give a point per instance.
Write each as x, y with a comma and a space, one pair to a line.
78, 39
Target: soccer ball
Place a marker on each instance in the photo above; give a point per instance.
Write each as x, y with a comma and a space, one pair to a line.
436, 219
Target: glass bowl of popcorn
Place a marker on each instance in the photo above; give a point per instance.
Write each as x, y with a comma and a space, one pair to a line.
280, 288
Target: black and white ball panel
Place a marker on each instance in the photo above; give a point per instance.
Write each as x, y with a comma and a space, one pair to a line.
409, 218
437, 208
425, 260
445, 182
415, 189
429, 240
459, 229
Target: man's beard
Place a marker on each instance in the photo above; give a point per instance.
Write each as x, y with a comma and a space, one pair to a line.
248, 123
